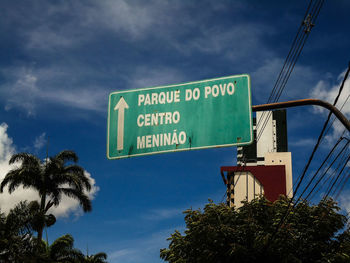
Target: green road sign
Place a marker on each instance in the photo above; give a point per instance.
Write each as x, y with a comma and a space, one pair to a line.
196, 115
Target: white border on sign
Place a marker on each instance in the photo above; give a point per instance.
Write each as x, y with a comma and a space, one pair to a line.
190, 148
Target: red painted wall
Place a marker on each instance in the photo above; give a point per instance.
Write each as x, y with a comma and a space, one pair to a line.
272, 177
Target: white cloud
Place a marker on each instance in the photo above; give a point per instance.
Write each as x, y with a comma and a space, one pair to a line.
131, 19
344, 201
302, 142
8, 201
40, 141
149, 77
324, 90
265, 76
7, 149
162, 214
118, 255
23, 92
45, 31
168, 24
141, 249
29, 88
126, 16
69, 205
224, 42
46, 39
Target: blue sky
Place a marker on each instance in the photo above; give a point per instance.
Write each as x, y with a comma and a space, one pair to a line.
59, 60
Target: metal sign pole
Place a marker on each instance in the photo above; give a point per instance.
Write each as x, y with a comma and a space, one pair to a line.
305, 102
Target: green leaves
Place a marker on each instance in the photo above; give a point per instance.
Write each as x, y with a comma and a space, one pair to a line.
16, 242
97, 258
53, 178
248, 234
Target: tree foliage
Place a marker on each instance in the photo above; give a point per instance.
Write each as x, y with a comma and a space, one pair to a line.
18, 245
96, 258
51, 179
16, 241
311, 233
60, 251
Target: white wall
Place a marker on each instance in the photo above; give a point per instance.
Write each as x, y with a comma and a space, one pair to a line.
267, 139
247, 187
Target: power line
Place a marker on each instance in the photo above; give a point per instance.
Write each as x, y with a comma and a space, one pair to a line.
332, 176
330, 189
223, 197
343, 183
321, 134
324, 161
329, 127
311, 193
340, 183
341, 136
311, 156
287, 58
308, 22
289, 71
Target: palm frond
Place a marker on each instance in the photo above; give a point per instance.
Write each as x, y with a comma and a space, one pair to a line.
62, 244
83, 199
79, 171
100, 255
67, 155
52, 179
61, 250
13, 185
27, 174
55, 195
72, 180
25, 158
14, 178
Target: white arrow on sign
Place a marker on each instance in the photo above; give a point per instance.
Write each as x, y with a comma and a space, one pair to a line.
121, 106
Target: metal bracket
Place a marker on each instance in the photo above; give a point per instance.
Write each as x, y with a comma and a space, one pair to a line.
305, 102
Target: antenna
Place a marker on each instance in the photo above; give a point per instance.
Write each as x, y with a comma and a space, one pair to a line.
47, 157
47, 148
47, 238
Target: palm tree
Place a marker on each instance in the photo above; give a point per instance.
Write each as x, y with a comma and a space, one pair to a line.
16, 240
97, 258
62, 250
57, 176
